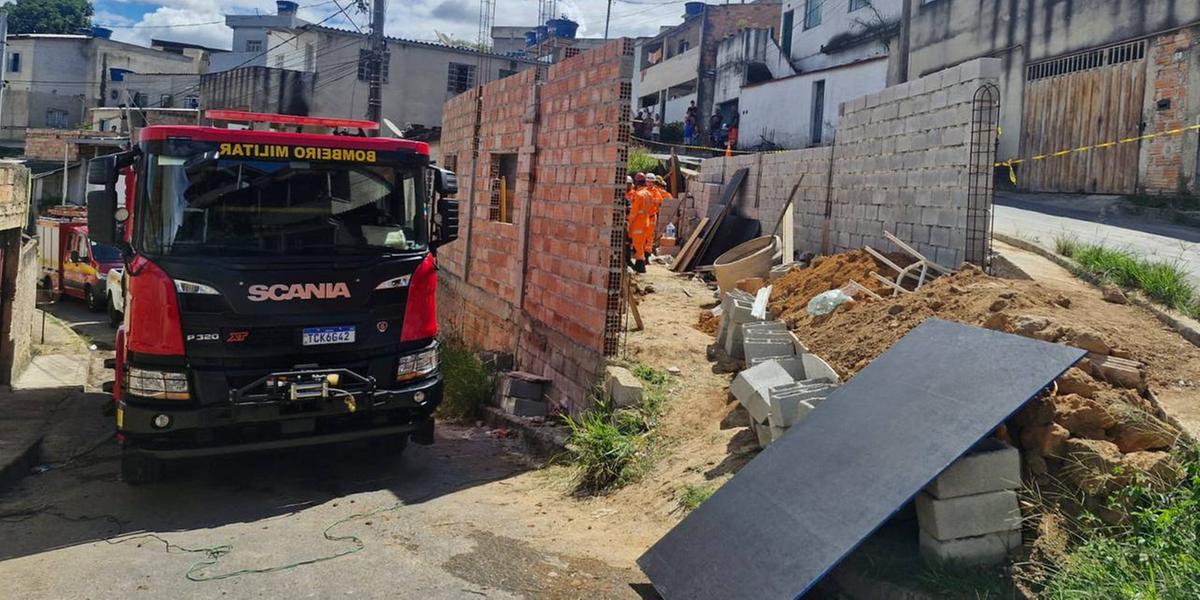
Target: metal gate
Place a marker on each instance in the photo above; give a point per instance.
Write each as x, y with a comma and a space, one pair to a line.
1086, 100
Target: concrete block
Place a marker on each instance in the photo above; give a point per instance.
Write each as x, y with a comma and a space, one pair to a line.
792, 402
520, 388
622, 386
763, 345
752, 388
989, 467
522, 407
764, 327
792, 364
763, 432
967, 516
982, 550
816, 369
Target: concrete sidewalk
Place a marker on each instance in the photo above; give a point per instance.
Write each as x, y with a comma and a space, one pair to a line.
57, 375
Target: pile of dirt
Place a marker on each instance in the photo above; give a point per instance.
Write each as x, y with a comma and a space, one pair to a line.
708, 322
791, 293
1102, 419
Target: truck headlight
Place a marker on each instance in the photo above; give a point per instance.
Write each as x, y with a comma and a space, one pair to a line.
160, 385
191, 287
417, 365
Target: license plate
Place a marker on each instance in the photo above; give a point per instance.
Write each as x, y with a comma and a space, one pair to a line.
315, 336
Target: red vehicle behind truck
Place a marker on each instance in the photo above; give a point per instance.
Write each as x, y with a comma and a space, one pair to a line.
71, 263
280, 287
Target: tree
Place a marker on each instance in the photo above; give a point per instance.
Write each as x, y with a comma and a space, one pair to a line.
49, 16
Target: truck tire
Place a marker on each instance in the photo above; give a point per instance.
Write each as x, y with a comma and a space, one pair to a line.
137, 468
93, 303
114, 315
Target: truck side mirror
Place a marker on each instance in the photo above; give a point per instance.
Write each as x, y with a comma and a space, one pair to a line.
101, 215
445, 182
102, 170
445, 222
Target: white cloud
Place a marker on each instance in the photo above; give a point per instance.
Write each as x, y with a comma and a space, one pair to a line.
200, 21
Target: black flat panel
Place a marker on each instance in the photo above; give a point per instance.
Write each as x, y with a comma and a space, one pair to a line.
810, 498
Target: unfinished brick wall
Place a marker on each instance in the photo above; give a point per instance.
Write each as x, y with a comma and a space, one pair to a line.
1169, 163
47, 144
545, 286
900, 164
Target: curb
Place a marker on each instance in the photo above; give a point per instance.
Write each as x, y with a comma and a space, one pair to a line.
16, 470
539, 439
1183, 325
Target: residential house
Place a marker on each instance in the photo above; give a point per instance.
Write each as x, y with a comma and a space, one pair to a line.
1077, 75
53, 79
418, 76
679, 65
831, 52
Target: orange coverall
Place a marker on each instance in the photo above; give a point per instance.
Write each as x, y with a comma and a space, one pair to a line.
641, 236
659, 195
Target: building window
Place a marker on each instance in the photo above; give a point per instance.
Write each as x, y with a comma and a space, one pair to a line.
812, 13
818, 111
364, 65
278, 61
683, 46
503, 172
191, 102
140, 100
310, 58
14, 62
460, 78
857, 4
165, 101
56, 118
253, 45
789, 23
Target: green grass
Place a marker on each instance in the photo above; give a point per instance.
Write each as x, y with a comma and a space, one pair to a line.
640, 161
1066, 244
692, 496
1164, 282
1155, 555
468, 386
610, 447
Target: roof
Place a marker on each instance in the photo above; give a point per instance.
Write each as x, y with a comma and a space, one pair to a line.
337, 30
217, 134
174, 44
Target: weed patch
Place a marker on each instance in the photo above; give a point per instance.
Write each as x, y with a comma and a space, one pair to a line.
1153, 555
468, 386
692, 496
610, 447
1066, 244
1164, 282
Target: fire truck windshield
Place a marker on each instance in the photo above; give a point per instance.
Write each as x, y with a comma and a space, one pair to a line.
205, 204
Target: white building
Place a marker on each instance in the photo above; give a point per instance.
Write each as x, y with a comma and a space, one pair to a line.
838, 50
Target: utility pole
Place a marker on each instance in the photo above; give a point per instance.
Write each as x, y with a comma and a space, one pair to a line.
607, 18
378, 54
3, 64
904, 43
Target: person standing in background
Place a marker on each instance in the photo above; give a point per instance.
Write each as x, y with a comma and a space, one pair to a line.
655, 127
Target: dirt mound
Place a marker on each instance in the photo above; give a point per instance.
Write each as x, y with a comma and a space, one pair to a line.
791, 293
708, 322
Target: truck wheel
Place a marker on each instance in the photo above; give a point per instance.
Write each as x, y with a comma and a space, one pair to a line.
93, 303
114, 315
137, 468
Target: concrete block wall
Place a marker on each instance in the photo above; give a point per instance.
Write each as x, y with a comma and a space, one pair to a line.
14, 195
544, 287
1169, 163
20, 296
900, 164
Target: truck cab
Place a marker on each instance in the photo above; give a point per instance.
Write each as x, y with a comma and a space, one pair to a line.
279, 289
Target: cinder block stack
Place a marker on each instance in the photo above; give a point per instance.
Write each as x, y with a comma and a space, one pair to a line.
969, 514
523, 394
779, 392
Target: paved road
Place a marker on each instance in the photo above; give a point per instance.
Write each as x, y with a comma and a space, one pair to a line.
93, 326
1093, 219
465, 518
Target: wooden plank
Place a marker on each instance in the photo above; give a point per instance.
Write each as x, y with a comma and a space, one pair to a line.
727, 194
689, 247
631, 300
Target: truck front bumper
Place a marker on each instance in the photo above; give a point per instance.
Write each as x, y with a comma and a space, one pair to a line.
236, 427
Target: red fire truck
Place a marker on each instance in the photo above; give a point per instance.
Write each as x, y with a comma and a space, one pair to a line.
279, 287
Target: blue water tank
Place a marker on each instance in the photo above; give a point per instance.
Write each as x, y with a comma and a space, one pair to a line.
542, 31
101, 32
691, 9
563, 28
531, 38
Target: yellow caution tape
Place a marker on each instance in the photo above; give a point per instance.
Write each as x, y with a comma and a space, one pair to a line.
1012, 174
706, 148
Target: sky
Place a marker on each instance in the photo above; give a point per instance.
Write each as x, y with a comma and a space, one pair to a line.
201, 21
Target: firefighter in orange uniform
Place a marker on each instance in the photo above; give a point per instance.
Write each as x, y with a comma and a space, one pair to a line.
658, 191
639, 231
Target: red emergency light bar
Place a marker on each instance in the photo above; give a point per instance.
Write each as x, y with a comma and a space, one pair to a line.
256, 117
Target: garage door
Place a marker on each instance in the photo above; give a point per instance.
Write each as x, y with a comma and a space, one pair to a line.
1094, 97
